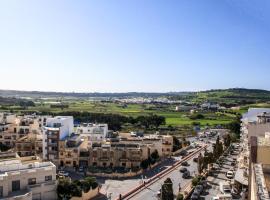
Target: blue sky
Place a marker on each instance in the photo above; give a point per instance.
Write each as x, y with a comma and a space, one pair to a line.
134, 45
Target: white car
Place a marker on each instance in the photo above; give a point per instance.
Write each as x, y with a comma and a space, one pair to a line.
222, 197
225, 187
63, 173
229, 174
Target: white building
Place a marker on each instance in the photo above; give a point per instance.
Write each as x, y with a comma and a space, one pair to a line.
56, 129
26, 178
93, 132
64, 123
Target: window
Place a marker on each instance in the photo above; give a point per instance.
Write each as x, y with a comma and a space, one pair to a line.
48, 178
1, 191
32, 181
16, 185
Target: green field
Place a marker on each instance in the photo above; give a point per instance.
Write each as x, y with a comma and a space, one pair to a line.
173, 118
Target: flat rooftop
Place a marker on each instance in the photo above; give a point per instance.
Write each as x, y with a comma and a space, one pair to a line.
262, 141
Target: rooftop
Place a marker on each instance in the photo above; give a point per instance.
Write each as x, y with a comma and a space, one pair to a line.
262, 141
19, 164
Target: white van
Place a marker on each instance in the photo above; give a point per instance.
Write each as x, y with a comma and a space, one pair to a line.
222, 197
230, 174
225, 187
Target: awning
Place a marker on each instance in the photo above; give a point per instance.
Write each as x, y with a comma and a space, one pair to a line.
240, 177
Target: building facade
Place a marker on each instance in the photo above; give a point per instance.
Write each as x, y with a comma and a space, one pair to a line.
26, 178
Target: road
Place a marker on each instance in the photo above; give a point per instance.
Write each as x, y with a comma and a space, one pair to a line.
150, 190
176, 177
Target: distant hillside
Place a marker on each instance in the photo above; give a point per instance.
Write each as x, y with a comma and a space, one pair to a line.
234, 95
7, 101
40, 94
226, 97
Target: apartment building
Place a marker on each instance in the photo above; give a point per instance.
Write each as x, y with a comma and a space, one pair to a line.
118, 155
255, 135
15, 127
56, 129
70, 151
26, 178
93, 132
29, 145
163, 144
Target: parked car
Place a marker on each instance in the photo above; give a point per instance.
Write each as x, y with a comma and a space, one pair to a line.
195, 196
229, 174
225, 187
183, 169
63, 173
183, 153
199, 189
81, 169
222, 197
195, 159
186, 174
185, 163
203, 183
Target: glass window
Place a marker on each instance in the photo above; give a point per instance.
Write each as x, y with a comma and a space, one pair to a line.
16, 185
1, 191
48, 178
32, 181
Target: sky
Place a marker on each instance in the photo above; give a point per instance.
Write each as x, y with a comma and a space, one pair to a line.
134, 45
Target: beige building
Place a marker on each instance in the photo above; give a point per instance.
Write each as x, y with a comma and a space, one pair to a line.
118, 155
26, 178
20, 127
29, 145
71, 149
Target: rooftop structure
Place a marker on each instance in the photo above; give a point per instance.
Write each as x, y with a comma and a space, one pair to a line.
26, 178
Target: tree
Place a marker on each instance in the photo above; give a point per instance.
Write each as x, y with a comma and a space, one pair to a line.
235, 126
218, 148
63, 191
180, 196
227, 140
145, 164
196, 180
207, 159
155, 155
167, 190
200, 163
176, 144
67, 189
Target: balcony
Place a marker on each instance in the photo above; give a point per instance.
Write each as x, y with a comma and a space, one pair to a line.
166, 143
104, 159
123, 159
52, 144
52, 136
52, 152
135, 159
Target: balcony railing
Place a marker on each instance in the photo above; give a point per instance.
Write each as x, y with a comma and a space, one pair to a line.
104, 159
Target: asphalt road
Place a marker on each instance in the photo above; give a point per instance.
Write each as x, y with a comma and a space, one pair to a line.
176, 177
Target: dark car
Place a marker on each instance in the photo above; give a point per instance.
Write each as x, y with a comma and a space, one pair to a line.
186, 174
198, 189
185, 163
204, 184
195, 196
183, 153
195, 159
183, 169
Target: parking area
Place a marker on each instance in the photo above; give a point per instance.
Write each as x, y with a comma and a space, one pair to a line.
220, 181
